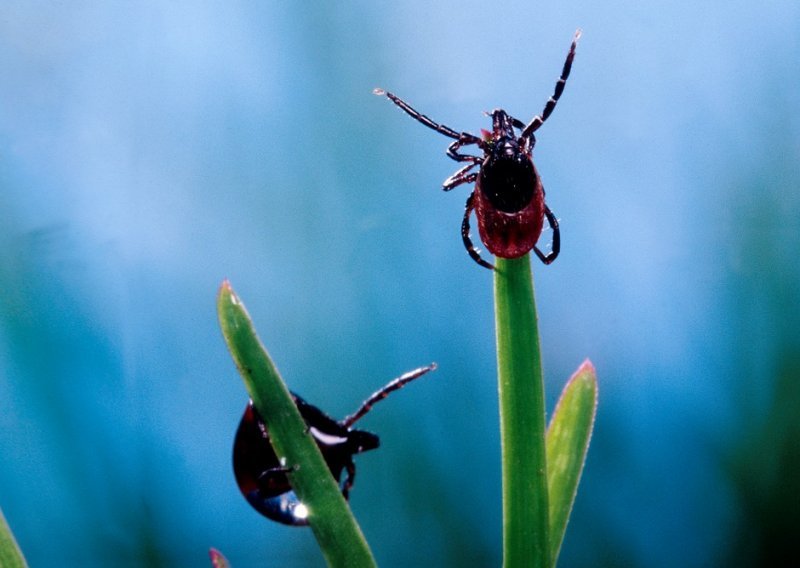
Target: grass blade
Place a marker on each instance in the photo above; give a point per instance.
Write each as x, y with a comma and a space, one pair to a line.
334, 526
218, 560
10, 554
567, 443
522, 417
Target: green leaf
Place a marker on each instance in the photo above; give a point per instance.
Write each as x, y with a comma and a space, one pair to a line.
334, 526
10, 554
522, 417
567, 443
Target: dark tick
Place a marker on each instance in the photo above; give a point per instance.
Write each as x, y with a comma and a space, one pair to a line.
508, 198
263, 479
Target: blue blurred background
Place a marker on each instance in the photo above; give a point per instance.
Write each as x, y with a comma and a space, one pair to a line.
149, 150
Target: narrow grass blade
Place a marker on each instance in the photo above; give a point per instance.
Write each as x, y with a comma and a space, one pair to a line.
522, 419
10, 554
337, 532
567, 443
217, 559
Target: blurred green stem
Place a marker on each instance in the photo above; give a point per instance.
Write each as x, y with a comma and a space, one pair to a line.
522, 417
10, 554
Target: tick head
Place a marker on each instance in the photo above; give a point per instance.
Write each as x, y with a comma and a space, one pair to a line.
502, 125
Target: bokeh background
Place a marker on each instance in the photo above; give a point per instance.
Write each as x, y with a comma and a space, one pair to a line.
149, 150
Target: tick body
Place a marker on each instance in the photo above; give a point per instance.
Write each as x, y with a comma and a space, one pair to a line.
265, 481
508, 197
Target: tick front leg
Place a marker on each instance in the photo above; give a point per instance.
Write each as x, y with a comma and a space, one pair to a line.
539, 119
517, 123
386, 390
416, 115
556, 246
473, 252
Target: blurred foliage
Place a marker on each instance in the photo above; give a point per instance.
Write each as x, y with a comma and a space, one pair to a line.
764, 461
765, 471
74, 442
137, 143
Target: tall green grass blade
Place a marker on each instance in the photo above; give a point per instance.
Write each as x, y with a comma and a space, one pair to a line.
522, 417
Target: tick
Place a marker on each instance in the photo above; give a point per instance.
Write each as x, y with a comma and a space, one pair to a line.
508, 197
264, 480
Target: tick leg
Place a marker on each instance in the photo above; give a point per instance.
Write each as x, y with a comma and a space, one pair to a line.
473, 252
349, 480
390, 387
517, 123
460, 177
556, 246
441, 128
274, 475
539, 119
464, 140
